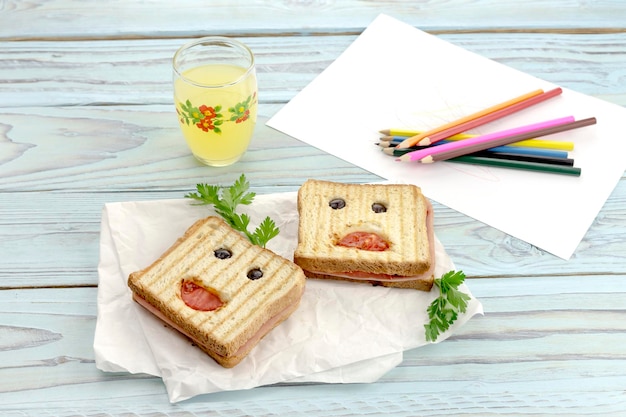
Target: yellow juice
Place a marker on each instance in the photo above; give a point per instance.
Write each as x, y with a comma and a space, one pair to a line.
217, 117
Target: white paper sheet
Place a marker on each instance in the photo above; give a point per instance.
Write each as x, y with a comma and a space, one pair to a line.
396, 76
342, 332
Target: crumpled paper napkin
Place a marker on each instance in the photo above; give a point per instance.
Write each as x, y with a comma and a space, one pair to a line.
341, 333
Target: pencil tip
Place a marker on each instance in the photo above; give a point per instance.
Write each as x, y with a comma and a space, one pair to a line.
384, 132
424, 142
402, 145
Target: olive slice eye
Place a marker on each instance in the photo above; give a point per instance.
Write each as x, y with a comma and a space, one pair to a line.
222, 253
337, 203
255, 273
379, 208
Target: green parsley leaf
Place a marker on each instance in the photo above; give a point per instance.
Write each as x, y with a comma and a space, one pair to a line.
445, 309
225, 201
266, 231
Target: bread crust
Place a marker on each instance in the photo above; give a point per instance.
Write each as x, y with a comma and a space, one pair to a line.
406, 225
248, 304
424, 283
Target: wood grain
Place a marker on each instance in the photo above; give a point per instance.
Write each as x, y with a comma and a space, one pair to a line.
63, 19
136, 153
86, 118
67, 252
124, 72
536, 335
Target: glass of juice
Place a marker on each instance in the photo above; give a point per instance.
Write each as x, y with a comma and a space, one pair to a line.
215, 93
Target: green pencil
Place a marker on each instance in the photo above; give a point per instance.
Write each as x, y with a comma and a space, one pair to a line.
529, 166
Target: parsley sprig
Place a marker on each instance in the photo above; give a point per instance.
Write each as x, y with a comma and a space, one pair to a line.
225, 201
445, 309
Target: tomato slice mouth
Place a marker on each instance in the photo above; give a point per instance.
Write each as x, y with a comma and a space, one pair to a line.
199, 298
364, 241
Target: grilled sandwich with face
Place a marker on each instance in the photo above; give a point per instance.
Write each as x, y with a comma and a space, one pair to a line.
219, 290
376, 233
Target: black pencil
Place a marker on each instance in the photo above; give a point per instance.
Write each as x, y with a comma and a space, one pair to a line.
523, 165
511, 156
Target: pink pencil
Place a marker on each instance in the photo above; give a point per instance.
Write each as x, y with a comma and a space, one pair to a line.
482, 139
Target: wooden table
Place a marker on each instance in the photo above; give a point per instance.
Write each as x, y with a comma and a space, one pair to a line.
86, 118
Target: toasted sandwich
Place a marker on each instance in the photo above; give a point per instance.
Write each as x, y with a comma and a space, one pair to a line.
219, 290
376, 233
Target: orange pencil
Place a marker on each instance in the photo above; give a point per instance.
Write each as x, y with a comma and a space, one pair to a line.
491, 116
424, 138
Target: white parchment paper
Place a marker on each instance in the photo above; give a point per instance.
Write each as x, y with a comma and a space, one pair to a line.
342, 332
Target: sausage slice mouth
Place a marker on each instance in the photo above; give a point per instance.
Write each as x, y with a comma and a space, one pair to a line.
364, 241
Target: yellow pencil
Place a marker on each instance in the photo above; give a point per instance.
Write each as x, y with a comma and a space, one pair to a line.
399, 132
540, 143
396, 136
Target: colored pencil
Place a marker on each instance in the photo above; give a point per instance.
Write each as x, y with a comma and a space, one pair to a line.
502, 137
530, 143
550, 160
520, 153
479, 118
429, 135
531, 166
443, 154
519, 150
524, 158
399, 137
399, 132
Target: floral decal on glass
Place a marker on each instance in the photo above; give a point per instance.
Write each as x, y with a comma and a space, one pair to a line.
210, 118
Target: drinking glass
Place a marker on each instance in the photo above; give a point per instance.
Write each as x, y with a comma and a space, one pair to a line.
215, 93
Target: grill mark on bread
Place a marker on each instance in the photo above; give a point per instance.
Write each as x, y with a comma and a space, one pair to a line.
192, 249
233, 288
226, 329
384, 217
403, 212
218, 279
273, 275
219, 275
238, 300
325, 212
185, 249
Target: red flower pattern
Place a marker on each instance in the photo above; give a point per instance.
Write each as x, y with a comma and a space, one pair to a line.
208, 118
206, 124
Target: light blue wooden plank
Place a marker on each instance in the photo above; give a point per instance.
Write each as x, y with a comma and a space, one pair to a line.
119, 18
67, 252
138, 72
61, 231
141, 148
448, 398
97, 164
570, 369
